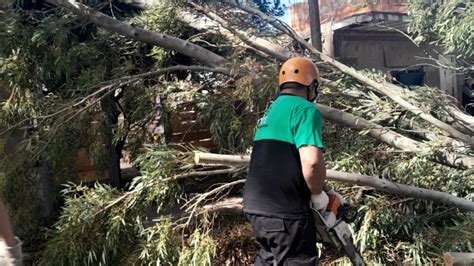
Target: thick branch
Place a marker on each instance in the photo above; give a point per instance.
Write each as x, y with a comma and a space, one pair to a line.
362, 180
384, 87
392, 138
228, 206
202, 24
137, 33
462, 121
258, 43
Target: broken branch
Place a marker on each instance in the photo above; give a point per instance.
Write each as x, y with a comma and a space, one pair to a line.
358, 179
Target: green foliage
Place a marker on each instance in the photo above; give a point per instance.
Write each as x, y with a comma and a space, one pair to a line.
88, 230
163, 18
447, 23
391, 230
161, 245
50, 63
101, 225
157, 166
158, 245
104, 226
200, 251
233, 113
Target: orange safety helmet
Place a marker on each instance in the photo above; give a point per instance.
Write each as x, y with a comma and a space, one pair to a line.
300, 70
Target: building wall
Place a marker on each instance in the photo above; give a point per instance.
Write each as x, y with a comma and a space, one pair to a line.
300, 18
337, 10
350, 34
384, 51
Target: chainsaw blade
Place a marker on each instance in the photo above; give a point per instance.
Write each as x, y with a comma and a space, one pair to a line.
339, 236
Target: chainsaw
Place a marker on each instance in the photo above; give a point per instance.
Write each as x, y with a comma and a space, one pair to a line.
332, 228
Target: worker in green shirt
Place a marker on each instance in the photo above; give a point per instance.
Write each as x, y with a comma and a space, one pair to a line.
287, 171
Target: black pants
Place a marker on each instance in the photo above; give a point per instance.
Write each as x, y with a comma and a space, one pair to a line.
285, 241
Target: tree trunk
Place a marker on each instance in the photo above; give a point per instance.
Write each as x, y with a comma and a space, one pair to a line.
47, 191
361, 180
134, 32
111, 119
203, 24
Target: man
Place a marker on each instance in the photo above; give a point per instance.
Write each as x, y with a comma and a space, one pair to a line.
10, 246
287, 170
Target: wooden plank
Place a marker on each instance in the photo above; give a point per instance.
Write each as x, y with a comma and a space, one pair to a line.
183, 116
205, 143
184, 126
187, 136
187, 115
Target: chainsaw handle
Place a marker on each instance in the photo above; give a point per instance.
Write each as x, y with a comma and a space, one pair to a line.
334, 203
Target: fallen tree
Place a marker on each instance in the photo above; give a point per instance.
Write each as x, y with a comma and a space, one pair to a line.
218, 63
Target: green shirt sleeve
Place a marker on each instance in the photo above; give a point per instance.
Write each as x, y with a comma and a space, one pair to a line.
307, 127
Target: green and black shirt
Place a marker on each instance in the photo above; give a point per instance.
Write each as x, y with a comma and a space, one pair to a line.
275, 185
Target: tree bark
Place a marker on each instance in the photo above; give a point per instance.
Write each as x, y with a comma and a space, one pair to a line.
362, 180
461, 121
228, 206
224, 159
383, 88
137, 33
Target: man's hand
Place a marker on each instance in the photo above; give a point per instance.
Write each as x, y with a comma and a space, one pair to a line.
319, 202
11, 255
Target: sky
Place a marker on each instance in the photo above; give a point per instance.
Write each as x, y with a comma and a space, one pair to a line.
286, 17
